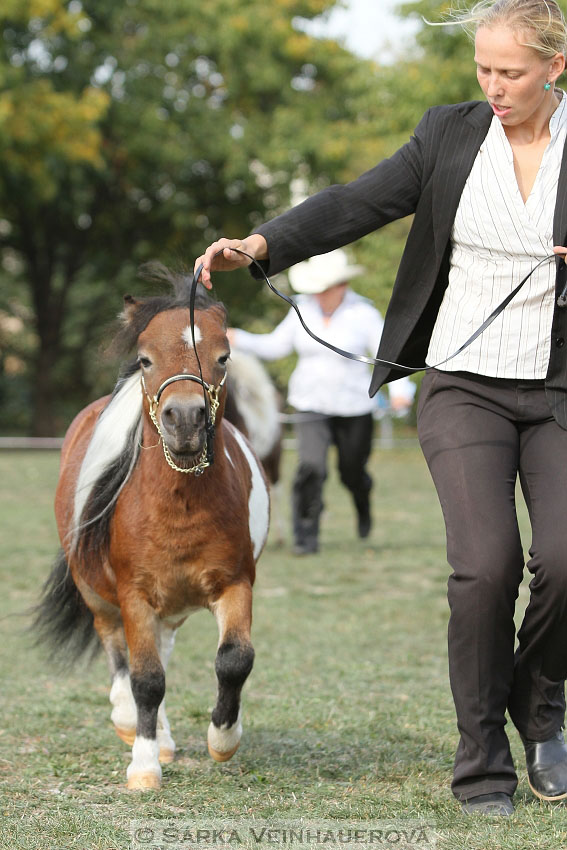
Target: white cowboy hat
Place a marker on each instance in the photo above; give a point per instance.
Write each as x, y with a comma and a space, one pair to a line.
322, 271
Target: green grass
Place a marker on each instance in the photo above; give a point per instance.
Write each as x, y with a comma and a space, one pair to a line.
347, 714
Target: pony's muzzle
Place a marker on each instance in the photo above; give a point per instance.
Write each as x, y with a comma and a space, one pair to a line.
183, 425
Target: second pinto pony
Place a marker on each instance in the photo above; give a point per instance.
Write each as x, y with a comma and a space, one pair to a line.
150, 536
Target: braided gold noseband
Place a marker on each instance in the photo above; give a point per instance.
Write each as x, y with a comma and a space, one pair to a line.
213, 397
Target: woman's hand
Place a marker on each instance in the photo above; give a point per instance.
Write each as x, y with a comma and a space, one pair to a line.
561, 250
221, 256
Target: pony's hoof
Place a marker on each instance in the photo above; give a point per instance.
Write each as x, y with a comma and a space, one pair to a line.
223, 742
166, 755
147, 781
126, 735
218, 756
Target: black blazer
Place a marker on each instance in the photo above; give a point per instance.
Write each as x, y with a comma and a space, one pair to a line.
424, 178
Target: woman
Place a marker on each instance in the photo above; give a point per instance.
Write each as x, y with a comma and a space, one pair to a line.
488, 189
329, 392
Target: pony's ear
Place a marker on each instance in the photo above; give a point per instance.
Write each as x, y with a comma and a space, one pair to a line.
131, 305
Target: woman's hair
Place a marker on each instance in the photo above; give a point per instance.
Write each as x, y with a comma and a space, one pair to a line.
541, 22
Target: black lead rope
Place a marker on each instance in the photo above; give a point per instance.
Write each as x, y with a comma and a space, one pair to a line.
209, 424
378, 361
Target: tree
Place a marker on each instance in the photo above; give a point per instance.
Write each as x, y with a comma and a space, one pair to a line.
141, 129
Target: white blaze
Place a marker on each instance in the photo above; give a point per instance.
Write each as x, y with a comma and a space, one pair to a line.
187, 337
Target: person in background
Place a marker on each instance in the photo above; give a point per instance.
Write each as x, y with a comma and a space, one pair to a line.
328, 392
486, 183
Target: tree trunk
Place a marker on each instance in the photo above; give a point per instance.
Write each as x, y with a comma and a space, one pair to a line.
43, 423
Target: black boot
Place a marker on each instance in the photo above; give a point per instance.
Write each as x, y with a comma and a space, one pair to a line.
362, 504
306, 510
547, 767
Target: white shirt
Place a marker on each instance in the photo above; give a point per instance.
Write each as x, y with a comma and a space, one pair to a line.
497, 240
323, 381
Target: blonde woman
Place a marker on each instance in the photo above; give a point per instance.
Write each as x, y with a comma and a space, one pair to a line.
486, 182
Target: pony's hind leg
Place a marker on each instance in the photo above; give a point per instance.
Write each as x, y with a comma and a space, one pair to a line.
235, 657
108, 624
123, 715
166, 743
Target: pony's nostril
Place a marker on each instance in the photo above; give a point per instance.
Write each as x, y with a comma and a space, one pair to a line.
172, 416
197, 416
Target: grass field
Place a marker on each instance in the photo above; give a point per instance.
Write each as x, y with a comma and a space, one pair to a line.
347, 714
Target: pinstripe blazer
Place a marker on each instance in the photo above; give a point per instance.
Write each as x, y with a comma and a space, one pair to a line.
425, 178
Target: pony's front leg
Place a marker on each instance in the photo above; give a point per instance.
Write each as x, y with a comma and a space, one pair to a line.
147, 678
124, 714
235, 657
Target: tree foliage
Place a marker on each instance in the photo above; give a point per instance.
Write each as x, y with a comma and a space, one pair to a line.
142, 129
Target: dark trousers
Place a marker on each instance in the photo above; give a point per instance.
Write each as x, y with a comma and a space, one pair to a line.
315, 433
478, 435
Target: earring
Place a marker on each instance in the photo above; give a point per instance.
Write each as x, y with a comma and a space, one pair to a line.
547, 86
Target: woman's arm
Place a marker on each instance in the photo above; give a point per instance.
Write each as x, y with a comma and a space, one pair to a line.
270, 346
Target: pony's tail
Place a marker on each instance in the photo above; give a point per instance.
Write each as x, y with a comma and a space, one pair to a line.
63, 624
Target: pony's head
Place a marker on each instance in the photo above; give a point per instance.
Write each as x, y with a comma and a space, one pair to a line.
182, 371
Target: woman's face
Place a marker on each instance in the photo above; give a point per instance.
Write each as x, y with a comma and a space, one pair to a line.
513, 76
330, 299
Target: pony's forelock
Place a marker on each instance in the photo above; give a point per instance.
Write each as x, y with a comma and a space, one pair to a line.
138, 313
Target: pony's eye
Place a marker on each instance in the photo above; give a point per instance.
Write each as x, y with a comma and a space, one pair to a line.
144, 362
223, 359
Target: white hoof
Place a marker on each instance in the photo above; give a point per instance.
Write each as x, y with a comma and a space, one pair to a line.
166, 743
144, 770
223, 742
166, 746
126, 735
144, 782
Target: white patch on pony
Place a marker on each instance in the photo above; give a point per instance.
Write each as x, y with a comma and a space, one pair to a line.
166, 644
108, 441
225, 738
166, 744
256, 400
229, 457
187, 337
124, 713
259, 499
145, 758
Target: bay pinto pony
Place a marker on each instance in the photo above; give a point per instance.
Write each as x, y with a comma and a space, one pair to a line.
151, 533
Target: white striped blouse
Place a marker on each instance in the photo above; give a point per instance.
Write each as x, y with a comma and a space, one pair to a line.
497, 239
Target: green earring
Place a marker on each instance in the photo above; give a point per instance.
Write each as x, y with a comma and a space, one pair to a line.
547, 86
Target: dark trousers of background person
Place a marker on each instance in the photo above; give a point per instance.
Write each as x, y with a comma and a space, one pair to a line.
478, 435
315, 433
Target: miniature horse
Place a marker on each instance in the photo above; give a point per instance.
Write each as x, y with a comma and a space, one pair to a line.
150, 536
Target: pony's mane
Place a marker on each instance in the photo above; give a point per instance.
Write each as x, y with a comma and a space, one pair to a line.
114, 446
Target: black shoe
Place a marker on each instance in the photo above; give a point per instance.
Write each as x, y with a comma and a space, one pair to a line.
498, 804
362, 504
547, 767
364, 525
